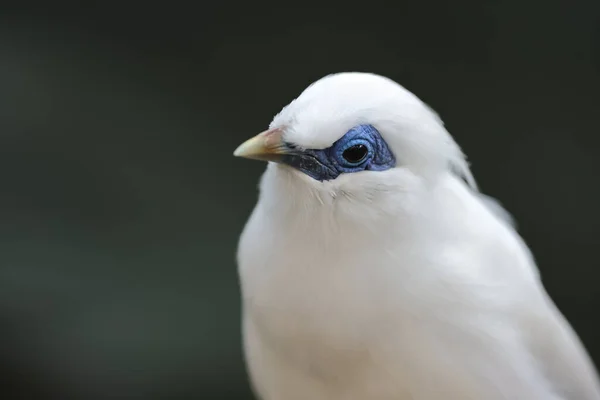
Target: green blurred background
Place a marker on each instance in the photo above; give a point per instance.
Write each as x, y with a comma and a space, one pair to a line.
121, 203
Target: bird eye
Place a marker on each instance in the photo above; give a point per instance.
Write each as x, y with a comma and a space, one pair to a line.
355, 154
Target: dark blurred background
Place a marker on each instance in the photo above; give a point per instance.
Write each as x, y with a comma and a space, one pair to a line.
121, 203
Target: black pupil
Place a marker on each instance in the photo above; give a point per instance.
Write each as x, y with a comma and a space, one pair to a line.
355, 153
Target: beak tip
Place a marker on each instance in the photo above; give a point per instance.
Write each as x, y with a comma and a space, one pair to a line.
240, 150
264, 146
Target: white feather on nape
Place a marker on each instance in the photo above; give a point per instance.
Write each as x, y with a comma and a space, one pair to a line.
460, 167
457, 159
497, 209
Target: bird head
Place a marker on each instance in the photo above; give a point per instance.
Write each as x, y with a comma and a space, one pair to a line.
356, 134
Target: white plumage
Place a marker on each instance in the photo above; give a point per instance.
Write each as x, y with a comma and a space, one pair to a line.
398, 284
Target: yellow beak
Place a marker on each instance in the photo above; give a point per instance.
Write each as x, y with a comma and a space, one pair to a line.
266, 146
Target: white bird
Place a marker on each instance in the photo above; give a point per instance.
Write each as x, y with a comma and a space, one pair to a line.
372, 267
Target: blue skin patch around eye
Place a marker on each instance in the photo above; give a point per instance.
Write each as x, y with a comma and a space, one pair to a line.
361, 149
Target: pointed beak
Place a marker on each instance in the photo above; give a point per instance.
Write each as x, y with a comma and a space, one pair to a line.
266, 146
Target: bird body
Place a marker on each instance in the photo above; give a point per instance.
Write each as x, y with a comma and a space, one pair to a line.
390, 277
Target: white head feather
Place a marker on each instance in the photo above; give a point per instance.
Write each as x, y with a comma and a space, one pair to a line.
331, 106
